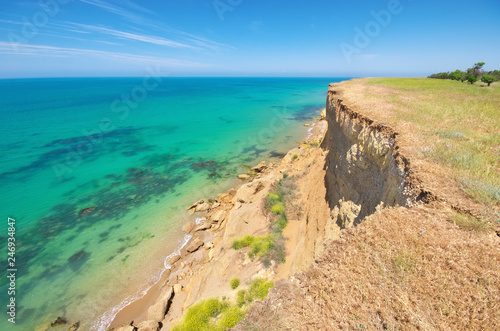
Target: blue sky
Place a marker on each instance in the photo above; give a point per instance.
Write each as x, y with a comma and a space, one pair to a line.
61, 38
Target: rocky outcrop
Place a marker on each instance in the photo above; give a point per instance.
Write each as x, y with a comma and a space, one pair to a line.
157, 312
365, 172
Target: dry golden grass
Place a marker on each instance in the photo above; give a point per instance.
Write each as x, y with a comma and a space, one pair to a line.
399, 270
458, 123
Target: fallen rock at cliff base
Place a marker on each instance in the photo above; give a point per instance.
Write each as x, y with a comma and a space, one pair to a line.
203, 226
177, 288
260, 167
323, 114
188, 227
194, 205
202, 207
174, 259
218, 216
194, 244
243, 176
157, 311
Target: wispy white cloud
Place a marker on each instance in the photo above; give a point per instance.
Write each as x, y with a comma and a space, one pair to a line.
125, 14
52, 51
133, 36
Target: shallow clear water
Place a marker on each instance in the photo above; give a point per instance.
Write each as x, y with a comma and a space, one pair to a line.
97, 173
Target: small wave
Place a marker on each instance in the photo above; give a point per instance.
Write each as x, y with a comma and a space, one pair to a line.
105, 320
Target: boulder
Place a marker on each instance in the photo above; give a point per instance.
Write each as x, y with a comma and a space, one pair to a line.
260, 167
194, 205
148, 326
232, 192
174, 259
209, 245
244, 176
307, 124
177, 288
58, 321
202, 207
218, 216
188, 227
203, 226
74, 326
157, 312
323, 114
194, 244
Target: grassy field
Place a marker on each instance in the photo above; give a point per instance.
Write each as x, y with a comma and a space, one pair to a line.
462, 124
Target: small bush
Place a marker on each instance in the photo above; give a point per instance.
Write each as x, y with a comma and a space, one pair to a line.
261, 246
199, 316
315, 144
259, 288
278, 209
230, 318
294, 156
235, 282
240, 298
243, 242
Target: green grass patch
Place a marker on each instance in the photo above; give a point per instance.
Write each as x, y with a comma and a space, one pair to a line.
259, 245
220, 315
469, 223
460, 123
234, 282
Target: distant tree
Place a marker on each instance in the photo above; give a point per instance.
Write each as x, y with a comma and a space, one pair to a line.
476, 70
457, 75
479, 65
471, 78
444, 75
487, 79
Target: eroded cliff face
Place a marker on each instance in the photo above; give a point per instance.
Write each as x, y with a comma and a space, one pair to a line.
364, 171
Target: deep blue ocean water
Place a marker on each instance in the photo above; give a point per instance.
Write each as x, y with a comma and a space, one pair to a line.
98, 172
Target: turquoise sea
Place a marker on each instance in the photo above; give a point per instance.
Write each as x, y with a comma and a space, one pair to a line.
98, 172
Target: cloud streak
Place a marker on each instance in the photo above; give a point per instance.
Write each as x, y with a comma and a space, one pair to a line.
52, 51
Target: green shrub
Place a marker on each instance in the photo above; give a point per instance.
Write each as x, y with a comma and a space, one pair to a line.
471, 78
294, 156
240, 298
243, 242
235, 282
315, 144
230, 318
259, 288
487, 79
261, 246
278, 209
199, 316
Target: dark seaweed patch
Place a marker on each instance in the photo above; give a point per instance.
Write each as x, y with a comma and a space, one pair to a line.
253, 150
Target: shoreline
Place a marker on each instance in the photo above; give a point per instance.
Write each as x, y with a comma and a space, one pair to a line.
139, 312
